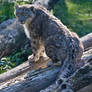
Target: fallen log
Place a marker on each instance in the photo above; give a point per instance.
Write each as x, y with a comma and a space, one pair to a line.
38, 80
22, 69
87, 41
80, 79
42, 79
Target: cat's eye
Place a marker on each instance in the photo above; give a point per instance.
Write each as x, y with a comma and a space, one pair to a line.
24, 15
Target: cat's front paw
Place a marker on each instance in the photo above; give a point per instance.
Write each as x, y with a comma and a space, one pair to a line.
49, 64
33, 58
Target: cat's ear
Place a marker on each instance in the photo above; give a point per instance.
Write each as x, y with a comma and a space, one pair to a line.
16, 6
32, 8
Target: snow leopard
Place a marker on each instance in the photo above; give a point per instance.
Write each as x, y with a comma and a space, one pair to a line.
50, 37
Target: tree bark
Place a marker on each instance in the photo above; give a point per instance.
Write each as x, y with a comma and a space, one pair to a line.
82, 77
22, 69
42, 78
87, 41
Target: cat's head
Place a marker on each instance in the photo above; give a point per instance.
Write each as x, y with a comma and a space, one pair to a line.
24, 13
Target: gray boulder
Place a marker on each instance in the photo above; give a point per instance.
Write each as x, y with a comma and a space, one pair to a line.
12, 37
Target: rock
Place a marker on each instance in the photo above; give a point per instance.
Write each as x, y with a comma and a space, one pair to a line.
12, 37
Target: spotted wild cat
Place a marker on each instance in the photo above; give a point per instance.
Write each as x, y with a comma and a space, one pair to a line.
48, 35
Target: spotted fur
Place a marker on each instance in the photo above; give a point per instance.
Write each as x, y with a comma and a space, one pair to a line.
49, 35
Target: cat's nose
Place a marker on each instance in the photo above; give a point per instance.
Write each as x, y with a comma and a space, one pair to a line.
21, 22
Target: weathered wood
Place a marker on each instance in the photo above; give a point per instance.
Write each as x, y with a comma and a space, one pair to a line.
82, 77
14, 72
21, 69
37, 80
86, 89
87, 41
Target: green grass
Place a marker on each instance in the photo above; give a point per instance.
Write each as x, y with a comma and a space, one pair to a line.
75, 14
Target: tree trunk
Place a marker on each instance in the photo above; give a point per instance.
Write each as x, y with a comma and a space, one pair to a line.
87, 41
